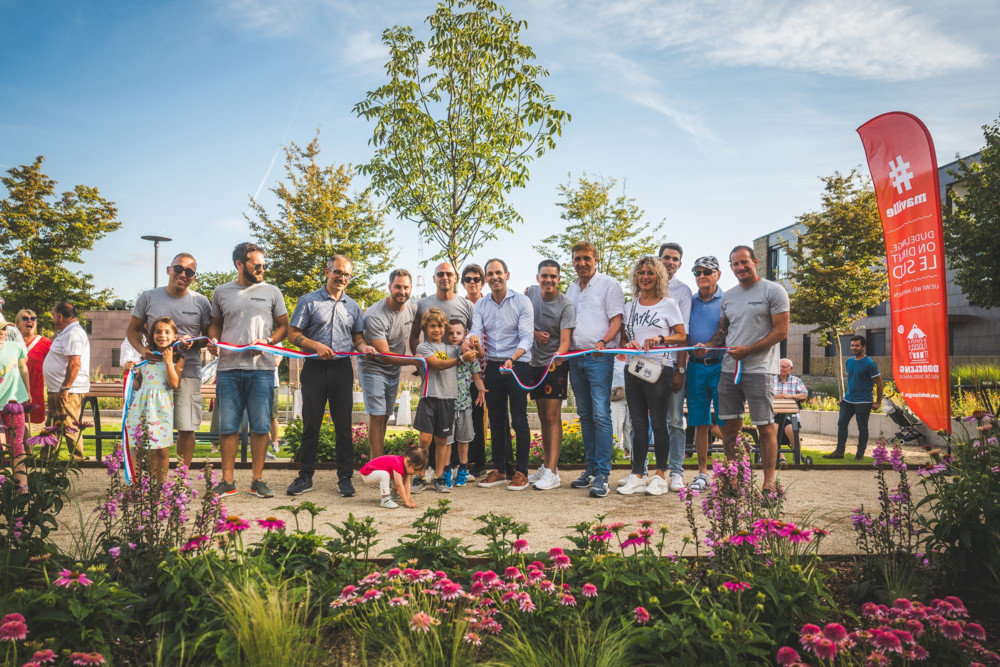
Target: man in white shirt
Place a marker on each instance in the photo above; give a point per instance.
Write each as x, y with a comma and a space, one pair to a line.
670, 255
600, 304
67, 375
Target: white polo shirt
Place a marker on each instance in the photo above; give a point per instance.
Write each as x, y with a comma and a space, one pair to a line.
595, 305
69, 342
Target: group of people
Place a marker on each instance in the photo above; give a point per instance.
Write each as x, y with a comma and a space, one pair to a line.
492, 349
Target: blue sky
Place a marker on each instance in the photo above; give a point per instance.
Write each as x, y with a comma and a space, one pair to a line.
718, 117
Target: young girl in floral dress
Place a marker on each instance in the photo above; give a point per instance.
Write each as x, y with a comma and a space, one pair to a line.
153, 405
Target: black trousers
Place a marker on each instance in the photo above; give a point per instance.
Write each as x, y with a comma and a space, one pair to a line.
327, 383
503, 391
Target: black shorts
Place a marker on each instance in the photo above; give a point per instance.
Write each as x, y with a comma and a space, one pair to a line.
555, 384
435, 416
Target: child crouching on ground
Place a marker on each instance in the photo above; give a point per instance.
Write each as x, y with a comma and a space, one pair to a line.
435, 418
388, 471
463, 432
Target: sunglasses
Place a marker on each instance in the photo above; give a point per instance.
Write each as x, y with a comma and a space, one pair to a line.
28, 318
178, 269
255, 267
444, 274
471, 279
703, 272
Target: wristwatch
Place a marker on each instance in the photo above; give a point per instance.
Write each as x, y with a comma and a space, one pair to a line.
681, 370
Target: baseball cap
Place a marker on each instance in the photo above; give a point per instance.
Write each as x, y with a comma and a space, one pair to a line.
706, 262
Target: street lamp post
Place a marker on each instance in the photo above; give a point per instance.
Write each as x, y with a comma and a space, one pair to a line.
156, 256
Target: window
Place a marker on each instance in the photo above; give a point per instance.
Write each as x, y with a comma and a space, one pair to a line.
116, 357
777, 263
877, 311
876, 343
845, 347
806, 352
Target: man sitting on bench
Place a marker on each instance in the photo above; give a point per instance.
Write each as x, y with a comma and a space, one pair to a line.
788, 386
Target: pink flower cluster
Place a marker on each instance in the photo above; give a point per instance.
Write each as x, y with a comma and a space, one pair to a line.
896, 632
13, 627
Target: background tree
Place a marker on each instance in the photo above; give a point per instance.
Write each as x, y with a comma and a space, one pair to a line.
457, 123
613, 224
972, 227
318, 217
206, 282
839, 261
41, 234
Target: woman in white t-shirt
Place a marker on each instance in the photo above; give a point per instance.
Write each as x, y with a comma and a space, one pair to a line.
652, 320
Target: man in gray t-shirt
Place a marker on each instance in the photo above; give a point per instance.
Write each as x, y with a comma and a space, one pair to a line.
191, 312
243, 313
387, 327
445, 298
754, 319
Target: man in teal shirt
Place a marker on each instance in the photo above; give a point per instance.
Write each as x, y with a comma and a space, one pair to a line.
862, 375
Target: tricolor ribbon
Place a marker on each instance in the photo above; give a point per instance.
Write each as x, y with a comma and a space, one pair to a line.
616, 350
127, 385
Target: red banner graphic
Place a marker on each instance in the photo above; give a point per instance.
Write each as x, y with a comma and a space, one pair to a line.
904, 170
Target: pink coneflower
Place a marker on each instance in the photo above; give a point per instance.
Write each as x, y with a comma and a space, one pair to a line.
525, 603
67, 578
13, 628
535, 575
398, 602
547, 586
617, 525
743, 536
740, 586
914, 627
589, 591
270, 523
393, 573
788, 656
959, 607
931, 469
562, 562
555, 551
567, 600
809, 635
886, 640
601, 537
835, 632
451, 591
875, 659
195, 543
81, 658
536, 565
44, 656
641, 615
975, 631
472, 638
646, 523
825, 649
477, 588
512, 573
371, 594
520, 546
348, 591
904, 637
234, 524
422, 622
796, 535
951, 630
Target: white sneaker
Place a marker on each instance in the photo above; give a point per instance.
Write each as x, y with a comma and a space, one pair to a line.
538, 474
676, 481
549, 480
388, 503
634, 484
657, 486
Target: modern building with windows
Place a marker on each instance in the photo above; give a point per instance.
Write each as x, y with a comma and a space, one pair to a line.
971, 330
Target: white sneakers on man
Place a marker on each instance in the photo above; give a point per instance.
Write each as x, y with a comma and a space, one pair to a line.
633, 484
656, 486
549, 480
676, 481
538, 474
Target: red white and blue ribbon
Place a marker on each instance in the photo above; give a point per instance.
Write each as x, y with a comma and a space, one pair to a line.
616, 350
127, 386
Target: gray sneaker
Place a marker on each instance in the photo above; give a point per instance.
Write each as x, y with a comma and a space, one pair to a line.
417, 485
270, 456
441, 485
599, 488
225, 488
260, 489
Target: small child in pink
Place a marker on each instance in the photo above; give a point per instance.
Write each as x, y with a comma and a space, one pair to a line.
390, 470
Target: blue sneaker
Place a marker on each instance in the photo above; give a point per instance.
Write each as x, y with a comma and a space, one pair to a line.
583, 481
447, 477
461, 477
599, 488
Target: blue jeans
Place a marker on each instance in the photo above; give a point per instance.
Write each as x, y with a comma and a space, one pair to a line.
238, 390
590, 377
847, 410
675, 427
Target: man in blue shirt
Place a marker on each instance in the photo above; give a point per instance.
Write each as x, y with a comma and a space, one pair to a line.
862, 375
327, 322
703, 373
505, 321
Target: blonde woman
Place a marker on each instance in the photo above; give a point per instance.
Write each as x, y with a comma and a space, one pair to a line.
652, 320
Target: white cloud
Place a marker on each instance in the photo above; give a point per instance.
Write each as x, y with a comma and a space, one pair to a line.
875, 40
364, 48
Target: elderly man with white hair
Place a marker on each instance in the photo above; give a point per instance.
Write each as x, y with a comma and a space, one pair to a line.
790, 386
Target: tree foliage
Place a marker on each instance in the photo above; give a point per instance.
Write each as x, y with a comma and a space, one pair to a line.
206, 282
40, 234
613, 224
839, 261
972, 227
318, 217
457, 123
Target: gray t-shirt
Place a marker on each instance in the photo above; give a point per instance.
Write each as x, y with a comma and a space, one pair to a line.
749, 313
551, 316
456, 308
383, 323
248, 313
440, 384
192, 313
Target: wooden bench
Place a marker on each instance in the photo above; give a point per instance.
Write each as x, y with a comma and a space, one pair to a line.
114, 390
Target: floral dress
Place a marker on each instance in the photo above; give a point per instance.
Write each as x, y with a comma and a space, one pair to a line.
155, 402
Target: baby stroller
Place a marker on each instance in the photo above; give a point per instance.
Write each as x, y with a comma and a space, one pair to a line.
908, 433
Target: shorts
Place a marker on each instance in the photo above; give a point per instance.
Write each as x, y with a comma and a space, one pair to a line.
555, 382
379, 391
756, 389
702, 392
464, 431
241, 390
187, 405
435, 416
274, 406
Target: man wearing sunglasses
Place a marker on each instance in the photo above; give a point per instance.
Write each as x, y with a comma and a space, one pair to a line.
191, 313
703, 371
246, 311
445, 298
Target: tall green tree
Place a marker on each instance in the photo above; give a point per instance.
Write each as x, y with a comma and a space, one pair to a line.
972, 227
206, 282
318, 217
42, 236
614, 224
839, 261
457, 124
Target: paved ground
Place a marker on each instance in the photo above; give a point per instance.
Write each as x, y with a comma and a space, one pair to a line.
819, 496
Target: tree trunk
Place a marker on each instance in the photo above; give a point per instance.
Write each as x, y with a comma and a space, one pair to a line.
840, 364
